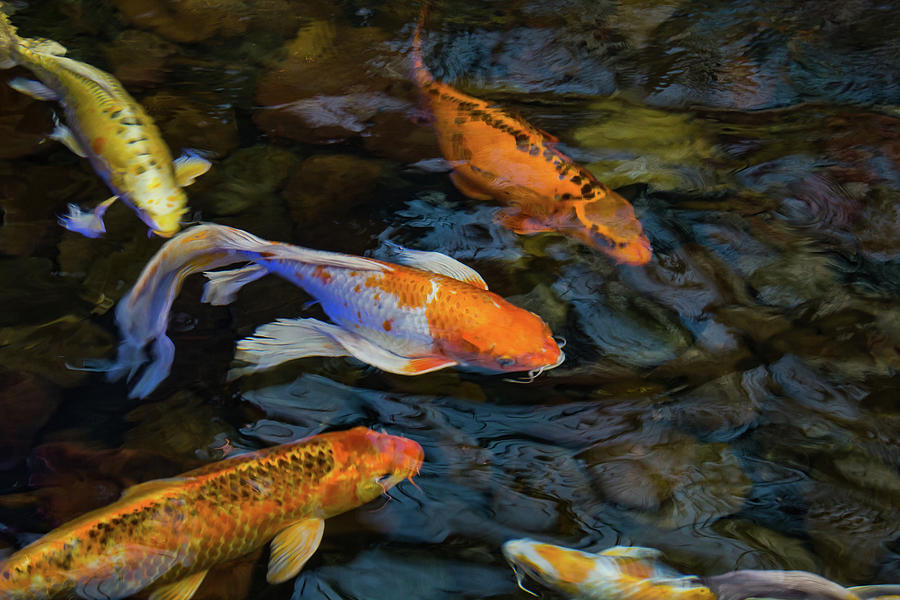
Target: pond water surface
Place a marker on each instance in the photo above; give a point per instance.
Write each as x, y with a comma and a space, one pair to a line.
734, 402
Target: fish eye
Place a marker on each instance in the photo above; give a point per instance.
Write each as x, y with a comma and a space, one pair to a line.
505, 362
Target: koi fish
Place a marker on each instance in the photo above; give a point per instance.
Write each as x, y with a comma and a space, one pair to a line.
500, 156
164, 535
423, 313
635, 573
109, 128
617, 573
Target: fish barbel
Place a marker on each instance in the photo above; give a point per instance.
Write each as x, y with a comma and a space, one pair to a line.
636, 573
497, 155
164, 535
106, 125
426, 313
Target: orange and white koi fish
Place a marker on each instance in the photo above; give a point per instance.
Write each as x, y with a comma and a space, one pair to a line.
496, 155
635, 573
425, 313
617, 573
164, 535
110, 128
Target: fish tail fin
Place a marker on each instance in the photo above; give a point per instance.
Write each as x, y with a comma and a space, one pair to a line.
9, 42
420, 73
143, 314
738, 585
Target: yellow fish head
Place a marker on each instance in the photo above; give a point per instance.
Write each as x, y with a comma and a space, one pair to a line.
164, 224
369, 464
554, 566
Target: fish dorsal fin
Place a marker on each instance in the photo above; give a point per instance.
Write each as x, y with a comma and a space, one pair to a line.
182, 589
632, 552
189, 167
436, 262
45, 46
292, 548
106, 81
154, 485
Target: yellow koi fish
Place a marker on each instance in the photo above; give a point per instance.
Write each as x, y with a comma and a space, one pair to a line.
426, 313
164, 535
497, 155
110, 128
635, 573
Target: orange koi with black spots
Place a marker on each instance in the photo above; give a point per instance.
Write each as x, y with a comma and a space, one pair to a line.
164, 535
425, 313
496, 155
106, 125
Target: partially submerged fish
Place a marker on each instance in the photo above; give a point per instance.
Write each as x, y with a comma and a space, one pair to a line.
426, 313
497, 155
617, 573
106, 125
635, 573
165, 534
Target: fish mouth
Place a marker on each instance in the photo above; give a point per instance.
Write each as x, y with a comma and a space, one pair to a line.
535, 373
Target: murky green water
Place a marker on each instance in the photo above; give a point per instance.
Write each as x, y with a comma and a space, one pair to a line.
733, 403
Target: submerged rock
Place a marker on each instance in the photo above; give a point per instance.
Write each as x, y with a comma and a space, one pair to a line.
47, 349
671, 478
27, 402
199, 122
139, 57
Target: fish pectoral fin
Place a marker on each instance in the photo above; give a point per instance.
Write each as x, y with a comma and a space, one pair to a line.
523, 224
89, 224
292, 548
865, 592
633, 552
63, 134
223, 286
189, 167
284, 340
366, 351
183, 589
33, 89
435, 262
468, 189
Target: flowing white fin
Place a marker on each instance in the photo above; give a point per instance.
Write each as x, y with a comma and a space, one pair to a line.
189, 167
435, 262
284, 340
63, 134
293, 547
183, 589
634, 552
33, 89
223, 286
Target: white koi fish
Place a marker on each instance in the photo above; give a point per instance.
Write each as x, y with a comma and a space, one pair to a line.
427, 313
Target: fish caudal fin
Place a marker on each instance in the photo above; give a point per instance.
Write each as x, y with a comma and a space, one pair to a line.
293, 547
285, 340
420, 73
738, 585
143, 314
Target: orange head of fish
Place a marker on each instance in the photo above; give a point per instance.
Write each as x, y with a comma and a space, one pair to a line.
163, 215
498, 336
606, 223
557, 567
368, 464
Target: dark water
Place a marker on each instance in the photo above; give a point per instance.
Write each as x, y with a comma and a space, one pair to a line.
733, 403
